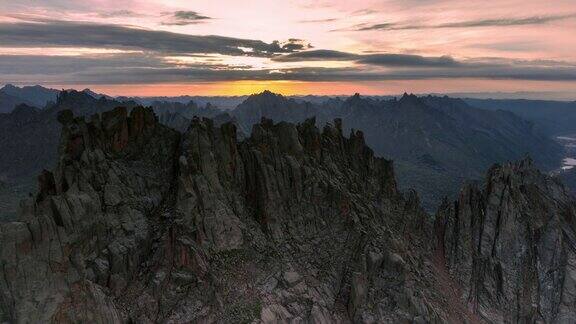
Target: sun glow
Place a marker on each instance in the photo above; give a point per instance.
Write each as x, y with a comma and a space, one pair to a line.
225, 88
247, 87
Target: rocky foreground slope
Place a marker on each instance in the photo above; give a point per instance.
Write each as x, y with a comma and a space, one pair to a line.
139, 223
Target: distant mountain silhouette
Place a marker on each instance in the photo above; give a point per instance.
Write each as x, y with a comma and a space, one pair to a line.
38, 96
178, 115
8, 102
552, 117
98, 95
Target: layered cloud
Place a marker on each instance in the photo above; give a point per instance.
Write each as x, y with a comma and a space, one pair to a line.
142, 68
395, 60
316, 55
490, 22
49, 33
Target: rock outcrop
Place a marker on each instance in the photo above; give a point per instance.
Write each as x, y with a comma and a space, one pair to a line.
29, 136
87, 230
293, 224
511, 247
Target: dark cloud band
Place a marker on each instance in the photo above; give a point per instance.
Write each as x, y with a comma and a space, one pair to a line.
151, 64
501, 22
141, 69
393, 60
183, 18
79, 34
316, 55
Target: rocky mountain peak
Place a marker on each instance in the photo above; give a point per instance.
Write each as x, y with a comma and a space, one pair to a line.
354, 100
72, 96
409, 99
266, 95
115, 132
264, 100
82, 103
35, 95
8, 87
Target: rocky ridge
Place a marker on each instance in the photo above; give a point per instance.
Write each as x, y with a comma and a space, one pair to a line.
37, 96
139, 223
436, 142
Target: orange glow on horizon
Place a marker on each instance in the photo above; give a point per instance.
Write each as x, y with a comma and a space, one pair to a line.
240, 88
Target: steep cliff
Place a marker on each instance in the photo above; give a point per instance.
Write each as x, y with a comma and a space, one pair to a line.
511, 246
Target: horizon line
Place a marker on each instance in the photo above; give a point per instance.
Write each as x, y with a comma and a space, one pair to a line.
499, 95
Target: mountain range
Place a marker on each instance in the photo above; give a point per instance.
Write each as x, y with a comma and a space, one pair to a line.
553, 117
37, 96
138, 222
436, 142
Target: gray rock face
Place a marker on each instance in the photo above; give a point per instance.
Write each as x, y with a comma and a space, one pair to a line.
290, 225
85, 233
511, 247
276, 227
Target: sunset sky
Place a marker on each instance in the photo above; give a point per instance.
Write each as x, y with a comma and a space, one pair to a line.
213, 47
